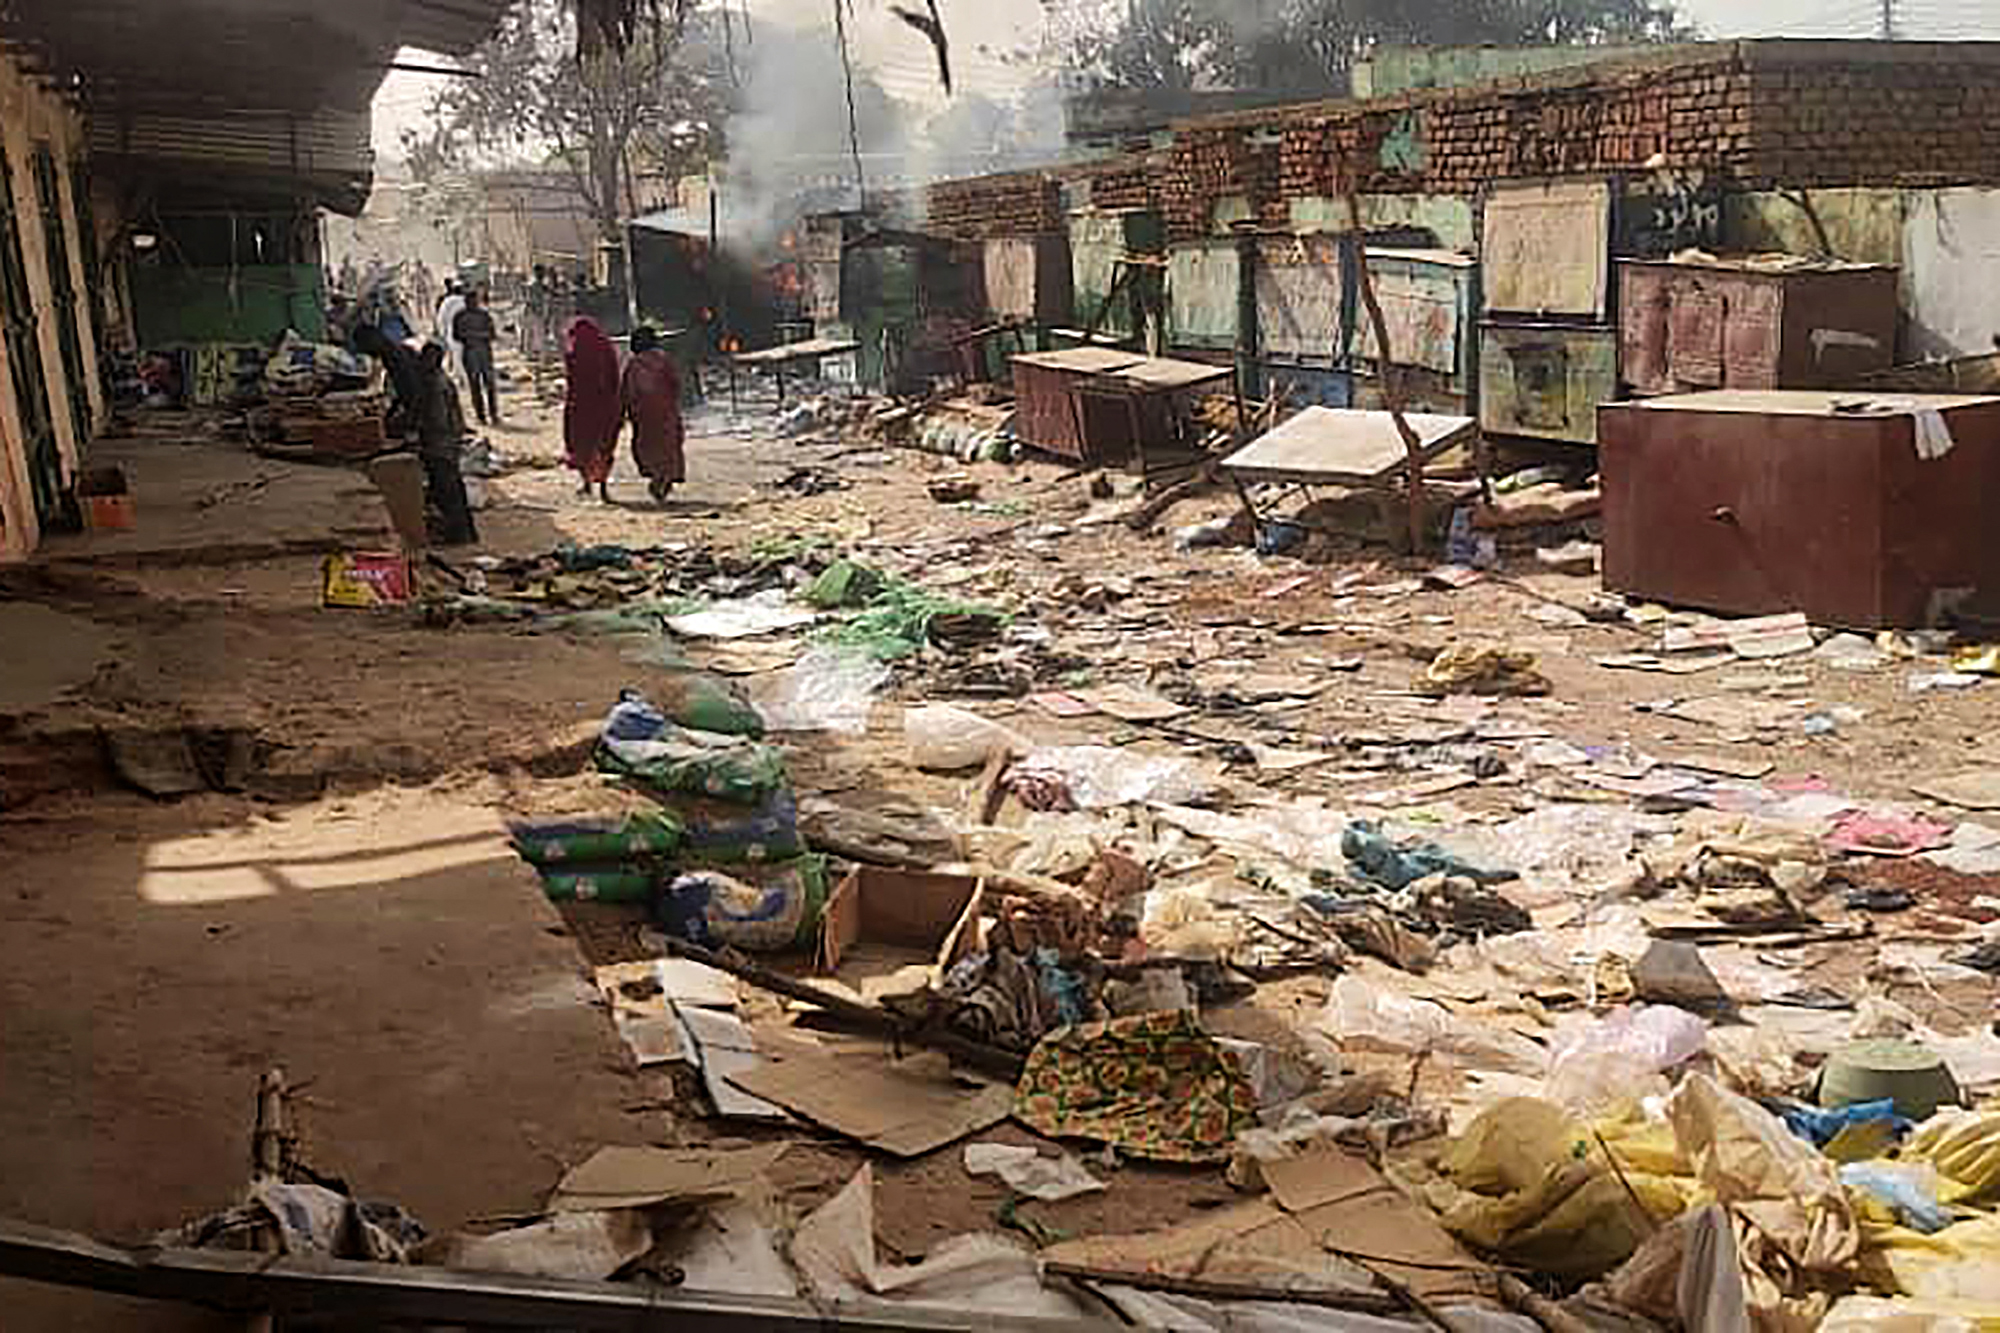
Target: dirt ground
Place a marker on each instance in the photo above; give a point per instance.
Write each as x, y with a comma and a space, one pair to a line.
354, 916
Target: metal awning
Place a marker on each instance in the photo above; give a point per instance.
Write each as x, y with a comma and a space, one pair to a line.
235, 55
269, 95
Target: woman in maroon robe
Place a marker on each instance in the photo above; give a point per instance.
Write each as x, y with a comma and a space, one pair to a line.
651, 393
592, 414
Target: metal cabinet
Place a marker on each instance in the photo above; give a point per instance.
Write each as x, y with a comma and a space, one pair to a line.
1756, 502
1744, 325
1545, 381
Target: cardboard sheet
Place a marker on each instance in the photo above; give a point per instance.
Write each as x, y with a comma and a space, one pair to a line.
624, 1177
905, 1108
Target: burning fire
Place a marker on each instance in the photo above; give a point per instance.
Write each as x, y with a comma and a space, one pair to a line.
732, 345
788, 242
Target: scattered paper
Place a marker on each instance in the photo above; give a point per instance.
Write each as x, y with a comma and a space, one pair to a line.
1026, 1171
1972, 789
766, 613
904, 1107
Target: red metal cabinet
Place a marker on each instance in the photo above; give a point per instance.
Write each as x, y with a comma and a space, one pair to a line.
1759, 502
1734, 325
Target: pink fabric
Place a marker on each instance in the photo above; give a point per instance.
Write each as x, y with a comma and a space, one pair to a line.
591, 411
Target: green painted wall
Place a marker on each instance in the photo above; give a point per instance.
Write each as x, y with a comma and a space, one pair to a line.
176, 306
1447, 217
1865, 226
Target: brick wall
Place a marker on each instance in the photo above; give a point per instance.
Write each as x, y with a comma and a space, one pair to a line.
984, 207
1761, 115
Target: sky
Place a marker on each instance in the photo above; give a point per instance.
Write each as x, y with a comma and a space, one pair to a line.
901, 61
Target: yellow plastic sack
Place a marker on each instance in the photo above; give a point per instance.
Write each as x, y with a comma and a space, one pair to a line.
1960, 1263
1878, 1314
1964, 1146
1529, 1183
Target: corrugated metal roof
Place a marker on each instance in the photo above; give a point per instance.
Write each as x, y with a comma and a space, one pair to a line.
298, 55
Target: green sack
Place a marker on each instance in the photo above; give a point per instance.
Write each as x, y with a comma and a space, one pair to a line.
569, 842
605, 884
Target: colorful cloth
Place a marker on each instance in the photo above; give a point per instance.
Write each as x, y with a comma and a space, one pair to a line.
651, 397
592, 415
1154, 1085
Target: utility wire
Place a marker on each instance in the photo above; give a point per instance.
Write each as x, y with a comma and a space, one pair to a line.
853, 120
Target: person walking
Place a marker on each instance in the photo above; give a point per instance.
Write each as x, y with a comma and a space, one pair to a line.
650, 397
447, 315
592, 411
474, 331
440, 430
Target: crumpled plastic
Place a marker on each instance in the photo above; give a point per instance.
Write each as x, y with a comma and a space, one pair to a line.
1599, 1063
1964, 1147
944, 738
1482, 668
1370, 1017
1906, 1192
834, 1251
1026, 1171
828, 689
1093, 777
1687, 1270
1960, 1263
1793, 1218
1532, 1184
1879, 1314
1394, 865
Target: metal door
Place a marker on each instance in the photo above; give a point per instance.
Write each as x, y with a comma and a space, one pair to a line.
24, 359
62, 286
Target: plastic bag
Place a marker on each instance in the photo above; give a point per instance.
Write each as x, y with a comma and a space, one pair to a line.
1598, 1063
1097, 776
1964, 1147
946, 738
828, 689
1372, 1017
1909, 1192
1878, 1314
742, 619
1960, 1263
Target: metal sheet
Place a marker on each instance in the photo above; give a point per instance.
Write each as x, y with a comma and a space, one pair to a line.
1427, 306
1751, 503
1545, 381
1546, 248
1951, 250
1301, 297
1204, 293
1330, 444
1028, 278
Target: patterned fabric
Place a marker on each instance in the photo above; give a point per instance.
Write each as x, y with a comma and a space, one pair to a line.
1154, 1085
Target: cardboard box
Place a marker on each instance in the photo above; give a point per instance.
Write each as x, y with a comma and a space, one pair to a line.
902, 911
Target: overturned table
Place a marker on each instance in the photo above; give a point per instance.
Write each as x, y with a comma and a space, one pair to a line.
1327, 446
784, 355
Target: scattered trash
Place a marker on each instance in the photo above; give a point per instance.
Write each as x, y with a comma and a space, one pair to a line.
1027, 1171
827, 689
365, 580
1480, 668
942, 738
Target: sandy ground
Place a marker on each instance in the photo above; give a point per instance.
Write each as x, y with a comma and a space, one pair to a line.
354, 918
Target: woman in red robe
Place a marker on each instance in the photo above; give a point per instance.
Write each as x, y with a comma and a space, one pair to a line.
592, 415
651, 393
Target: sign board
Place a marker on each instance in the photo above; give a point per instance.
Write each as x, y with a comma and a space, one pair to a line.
1545, 248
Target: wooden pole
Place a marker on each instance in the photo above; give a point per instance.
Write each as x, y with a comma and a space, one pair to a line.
1392, 394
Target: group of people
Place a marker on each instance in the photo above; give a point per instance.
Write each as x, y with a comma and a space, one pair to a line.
600, 397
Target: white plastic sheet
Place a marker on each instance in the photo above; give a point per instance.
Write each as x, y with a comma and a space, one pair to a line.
825, 690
